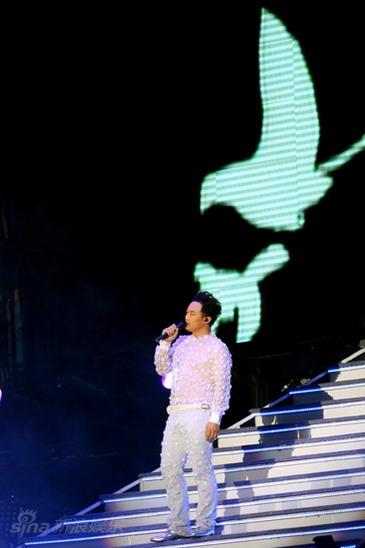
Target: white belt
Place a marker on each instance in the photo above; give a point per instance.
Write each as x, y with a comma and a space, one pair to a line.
184, 406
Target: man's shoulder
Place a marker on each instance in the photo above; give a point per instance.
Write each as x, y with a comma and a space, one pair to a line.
218, 343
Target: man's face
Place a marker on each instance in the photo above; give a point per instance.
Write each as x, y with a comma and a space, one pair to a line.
194, 318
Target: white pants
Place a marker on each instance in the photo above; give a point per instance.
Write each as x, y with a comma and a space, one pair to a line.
184, 437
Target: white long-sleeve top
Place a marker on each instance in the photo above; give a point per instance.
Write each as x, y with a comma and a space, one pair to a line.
201, 371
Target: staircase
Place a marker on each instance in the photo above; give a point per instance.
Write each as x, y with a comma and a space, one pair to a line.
297, 473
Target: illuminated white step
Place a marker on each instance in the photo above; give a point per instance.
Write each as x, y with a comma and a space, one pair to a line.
243, 507
343, 533
291, 448
331, 409
235, 525
263, 522
346, 534
303, 483
351, 371
269, 469
270, 434
339, 390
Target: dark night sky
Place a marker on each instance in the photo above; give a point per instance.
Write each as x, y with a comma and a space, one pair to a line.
115, 120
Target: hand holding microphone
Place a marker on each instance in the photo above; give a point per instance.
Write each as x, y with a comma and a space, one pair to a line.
171, 333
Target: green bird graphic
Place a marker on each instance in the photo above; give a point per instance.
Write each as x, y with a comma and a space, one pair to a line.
273, 188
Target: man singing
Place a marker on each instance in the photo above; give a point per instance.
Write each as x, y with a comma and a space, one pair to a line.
201, 374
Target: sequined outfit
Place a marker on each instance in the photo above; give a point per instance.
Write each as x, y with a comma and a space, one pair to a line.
201, 374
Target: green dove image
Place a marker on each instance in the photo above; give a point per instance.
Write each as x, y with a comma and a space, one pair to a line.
273, 188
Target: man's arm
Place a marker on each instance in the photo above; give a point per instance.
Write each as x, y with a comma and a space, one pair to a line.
221, 372
164, 351
163, 358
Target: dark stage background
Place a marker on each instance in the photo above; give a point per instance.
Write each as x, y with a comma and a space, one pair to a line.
115, 119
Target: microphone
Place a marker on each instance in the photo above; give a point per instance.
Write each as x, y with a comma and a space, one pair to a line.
164, 336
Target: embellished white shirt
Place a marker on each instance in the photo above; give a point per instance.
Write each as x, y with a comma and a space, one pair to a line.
201, 371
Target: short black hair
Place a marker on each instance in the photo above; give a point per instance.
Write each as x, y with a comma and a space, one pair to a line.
210, 305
